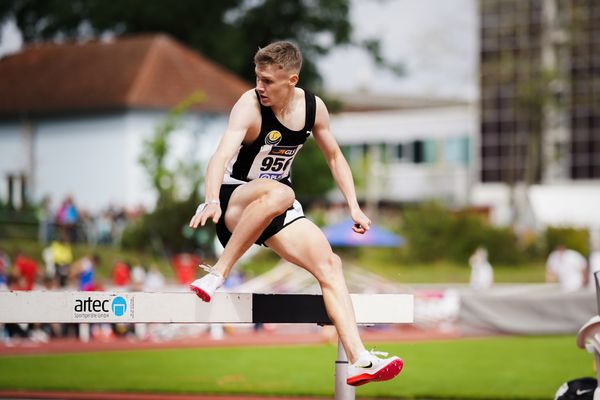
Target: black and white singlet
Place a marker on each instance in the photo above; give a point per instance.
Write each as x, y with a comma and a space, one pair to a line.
272, 153
269, 156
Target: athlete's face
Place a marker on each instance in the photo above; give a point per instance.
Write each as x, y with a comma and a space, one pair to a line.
274, 84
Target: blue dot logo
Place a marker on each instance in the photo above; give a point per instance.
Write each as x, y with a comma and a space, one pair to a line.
119, 306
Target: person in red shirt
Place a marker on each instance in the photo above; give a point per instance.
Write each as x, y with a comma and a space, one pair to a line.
185, 266
26, 270
120, 274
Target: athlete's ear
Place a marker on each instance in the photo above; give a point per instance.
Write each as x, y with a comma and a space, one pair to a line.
293, 79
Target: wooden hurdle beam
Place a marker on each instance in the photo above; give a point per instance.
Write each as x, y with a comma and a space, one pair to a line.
185, 307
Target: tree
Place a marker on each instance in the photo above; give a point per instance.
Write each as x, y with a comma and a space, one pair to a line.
227, 31
165, 230
310, 174
155, 151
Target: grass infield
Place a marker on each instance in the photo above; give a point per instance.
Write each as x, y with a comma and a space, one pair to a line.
490, 368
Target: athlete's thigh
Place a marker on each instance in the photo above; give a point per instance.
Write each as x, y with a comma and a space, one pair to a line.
301, 243
245, 194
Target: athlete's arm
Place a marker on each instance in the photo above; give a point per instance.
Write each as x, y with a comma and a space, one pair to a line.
242, 117
339, 166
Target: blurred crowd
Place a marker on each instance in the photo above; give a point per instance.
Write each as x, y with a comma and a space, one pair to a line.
105, 227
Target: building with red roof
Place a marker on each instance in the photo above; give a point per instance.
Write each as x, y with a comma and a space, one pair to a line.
74, 116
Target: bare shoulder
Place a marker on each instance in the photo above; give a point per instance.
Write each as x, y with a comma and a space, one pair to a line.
247, 109
248, 101
320, 104
322, 114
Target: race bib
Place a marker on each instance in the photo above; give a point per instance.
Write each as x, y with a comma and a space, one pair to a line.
273, 162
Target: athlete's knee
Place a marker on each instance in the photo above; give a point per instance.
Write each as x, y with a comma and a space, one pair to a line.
330, 270
278, 198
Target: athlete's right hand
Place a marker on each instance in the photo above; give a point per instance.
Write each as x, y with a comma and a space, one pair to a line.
204, 213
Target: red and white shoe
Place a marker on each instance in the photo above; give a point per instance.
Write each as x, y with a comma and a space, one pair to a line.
370, 368
206, 286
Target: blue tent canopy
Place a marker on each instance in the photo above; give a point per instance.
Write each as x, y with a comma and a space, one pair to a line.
342, 235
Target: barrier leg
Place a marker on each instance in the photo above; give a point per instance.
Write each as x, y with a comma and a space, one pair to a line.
343, 391
84, 332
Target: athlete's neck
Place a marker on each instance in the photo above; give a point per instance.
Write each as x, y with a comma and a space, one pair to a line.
287, 104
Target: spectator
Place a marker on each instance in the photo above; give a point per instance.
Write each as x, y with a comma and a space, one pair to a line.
104, 227
62, 257
4, 270
50, 267
44, 215
83, 272
185, 265
482, 273
88, 231
26, 271
567, 267
138, 277
155, 280
67, 218
121, 276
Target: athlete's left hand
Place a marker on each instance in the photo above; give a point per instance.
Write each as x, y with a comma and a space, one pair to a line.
204, 213
362, 223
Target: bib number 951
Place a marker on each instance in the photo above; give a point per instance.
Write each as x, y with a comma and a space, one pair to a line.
275, 164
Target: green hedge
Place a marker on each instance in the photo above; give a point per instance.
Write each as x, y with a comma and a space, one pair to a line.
572, 238
165, 230
435, 233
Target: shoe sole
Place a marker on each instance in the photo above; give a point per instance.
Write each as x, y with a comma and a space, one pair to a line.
384, 374
201, 293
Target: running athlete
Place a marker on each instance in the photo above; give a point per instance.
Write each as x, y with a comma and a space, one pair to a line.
249, 196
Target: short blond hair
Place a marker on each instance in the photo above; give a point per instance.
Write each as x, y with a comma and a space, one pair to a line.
284, 54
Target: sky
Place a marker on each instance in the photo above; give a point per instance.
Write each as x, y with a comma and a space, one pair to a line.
435, 40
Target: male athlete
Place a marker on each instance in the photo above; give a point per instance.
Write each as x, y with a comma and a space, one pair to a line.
250, 199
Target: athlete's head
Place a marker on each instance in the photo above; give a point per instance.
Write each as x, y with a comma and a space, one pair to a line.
277, 69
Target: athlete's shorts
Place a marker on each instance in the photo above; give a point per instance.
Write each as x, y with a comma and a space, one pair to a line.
292, 214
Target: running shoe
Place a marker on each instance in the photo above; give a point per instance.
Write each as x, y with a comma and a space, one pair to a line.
371, 368
206, 286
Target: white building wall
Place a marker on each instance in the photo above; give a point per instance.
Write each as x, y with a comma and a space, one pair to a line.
13, 155
84, 158
12, 151
400, 179
96, 158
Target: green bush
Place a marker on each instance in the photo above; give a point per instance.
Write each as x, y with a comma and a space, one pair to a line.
165, 230
18, 223
427, 229
572, 238
435, 233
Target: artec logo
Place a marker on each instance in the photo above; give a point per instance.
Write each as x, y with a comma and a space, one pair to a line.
119, 306
97, 306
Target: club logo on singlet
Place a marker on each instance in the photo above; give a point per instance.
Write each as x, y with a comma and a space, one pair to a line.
273, 138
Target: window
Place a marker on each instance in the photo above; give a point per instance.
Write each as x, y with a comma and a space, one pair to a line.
418, 152
456, 151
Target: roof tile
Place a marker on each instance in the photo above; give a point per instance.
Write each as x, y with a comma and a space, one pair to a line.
143, 71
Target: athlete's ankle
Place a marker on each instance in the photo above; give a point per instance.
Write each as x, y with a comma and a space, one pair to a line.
356, 355
220, 270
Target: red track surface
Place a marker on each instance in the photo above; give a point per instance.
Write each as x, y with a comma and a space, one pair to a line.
281, 336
